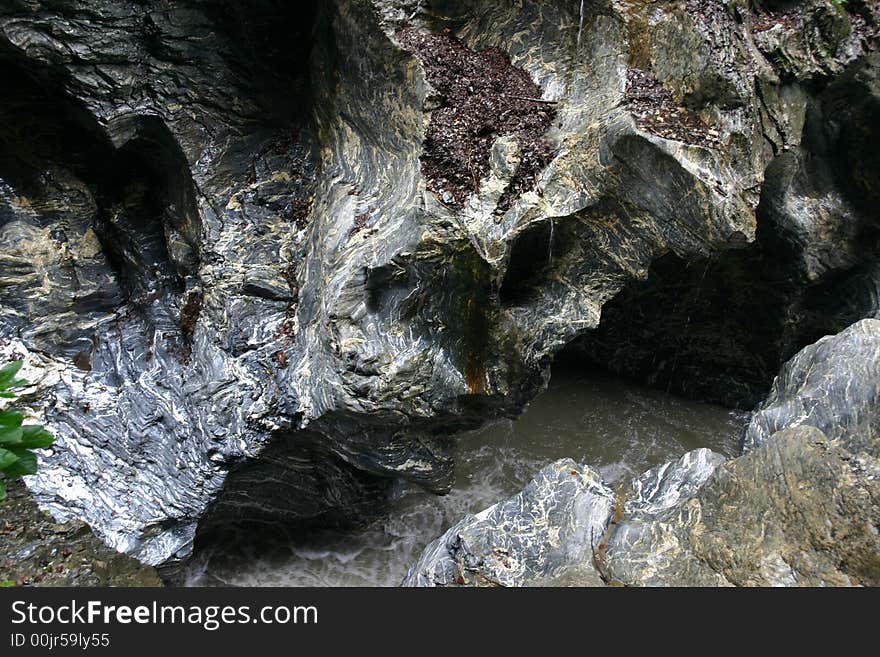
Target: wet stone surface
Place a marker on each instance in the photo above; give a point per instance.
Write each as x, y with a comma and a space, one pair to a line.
273, 157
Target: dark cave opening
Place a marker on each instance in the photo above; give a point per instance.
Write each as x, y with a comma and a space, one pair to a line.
531, 259
718, 328
327, 491
42, 126
137, 189
704, 329
270, 43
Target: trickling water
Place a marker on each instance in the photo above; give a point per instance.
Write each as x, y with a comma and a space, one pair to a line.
580, 23
618, 427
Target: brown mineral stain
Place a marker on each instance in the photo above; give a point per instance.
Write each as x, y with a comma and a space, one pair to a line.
475, 374
82, 361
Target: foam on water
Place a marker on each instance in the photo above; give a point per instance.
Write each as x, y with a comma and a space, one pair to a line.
618, 427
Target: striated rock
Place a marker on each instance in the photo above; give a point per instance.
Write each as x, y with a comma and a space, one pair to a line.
801, 508
703, 327
670, 484
549, 530
813, 38
555, 532
833, 385
799, 511
151, 168
242, 297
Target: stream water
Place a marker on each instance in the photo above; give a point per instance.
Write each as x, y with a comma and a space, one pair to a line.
614, 425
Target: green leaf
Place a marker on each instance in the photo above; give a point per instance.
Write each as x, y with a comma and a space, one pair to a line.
8, 372
10, 419
35, 437
7, 458
5, 583
10, 427
2, 497
11, 437
25, 465
7, 395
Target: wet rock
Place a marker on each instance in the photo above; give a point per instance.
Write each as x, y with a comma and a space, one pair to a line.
50, 243
799, 511
833, 385
549, 530
814, 38
670, 484
281, 296
702, 327
153, 147
801, 508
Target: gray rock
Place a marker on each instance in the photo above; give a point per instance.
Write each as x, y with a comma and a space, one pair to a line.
670, 484
549, 530
236, 295
799, 511
833, 385
801, 508
702, 327
811, 38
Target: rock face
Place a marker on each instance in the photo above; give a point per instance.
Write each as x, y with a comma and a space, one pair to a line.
799, 511
801, 508
718, 327
243, 299
833, 385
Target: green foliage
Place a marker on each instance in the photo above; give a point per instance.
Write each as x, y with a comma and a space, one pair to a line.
17, 439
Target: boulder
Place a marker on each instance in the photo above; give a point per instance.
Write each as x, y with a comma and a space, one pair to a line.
549, 530
833, 385
799, 511
800, 508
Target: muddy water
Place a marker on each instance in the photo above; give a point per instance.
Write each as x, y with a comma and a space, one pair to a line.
616, 426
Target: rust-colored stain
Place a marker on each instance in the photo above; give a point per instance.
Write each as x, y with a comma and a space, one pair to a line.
475, 374
599, 560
